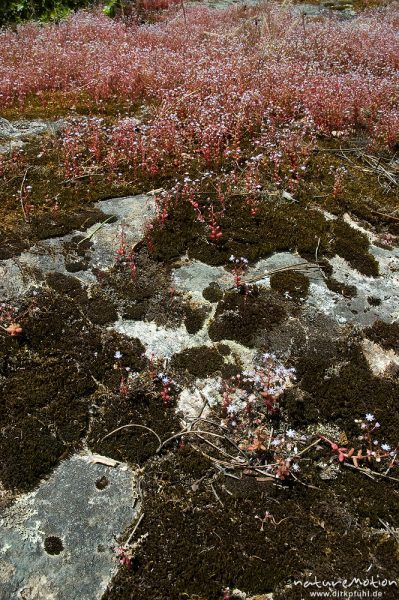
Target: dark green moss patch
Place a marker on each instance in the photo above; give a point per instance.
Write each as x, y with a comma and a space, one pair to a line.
100, 309
208, 545
50, 379
53, 545
102, 483
353, 246
276, 227
67, 285
295, 284
194, 318
213, 292
199, 362
28, 451
148, 295
348, 291
59, 205
364, 194
384, 334
244, 318
132, 445
341, 388
373, 301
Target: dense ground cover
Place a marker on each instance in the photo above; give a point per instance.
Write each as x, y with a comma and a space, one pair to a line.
258, 130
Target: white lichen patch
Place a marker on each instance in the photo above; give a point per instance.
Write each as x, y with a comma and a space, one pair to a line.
199, 398
380, 360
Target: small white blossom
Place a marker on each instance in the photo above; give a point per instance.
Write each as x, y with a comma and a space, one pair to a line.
385, 447
369, 417
290, 433
118, 355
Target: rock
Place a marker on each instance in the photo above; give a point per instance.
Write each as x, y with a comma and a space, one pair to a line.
6, 128
56, 542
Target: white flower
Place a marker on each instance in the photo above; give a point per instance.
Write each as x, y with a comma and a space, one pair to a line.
296, 467
232, 257
290, 433
231, 409
276, 442
385, 447
369, 417
118, 354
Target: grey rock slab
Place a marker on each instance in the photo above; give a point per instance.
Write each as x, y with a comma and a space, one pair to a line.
6, 128
13, 134
194, 276
358, 310
132, 213
85, 518
163, 342
19, 274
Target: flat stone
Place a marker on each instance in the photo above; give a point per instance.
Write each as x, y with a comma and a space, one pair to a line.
85, 518
132, 213
162, 342
18, 274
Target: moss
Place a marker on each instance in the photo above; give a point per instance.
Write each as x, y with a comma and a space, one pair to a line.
291, 282
340, 388
100, 309
209, 544
294, 227
373, 301
133, 445
28, 451
243, 318
102, 483
50, 377
363, 194
199, 362
213, 292
384, 334
148, 295
353, 246
53, 545
66, 285
348, 291
194, 318
59, 206
224, 349
72, 103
